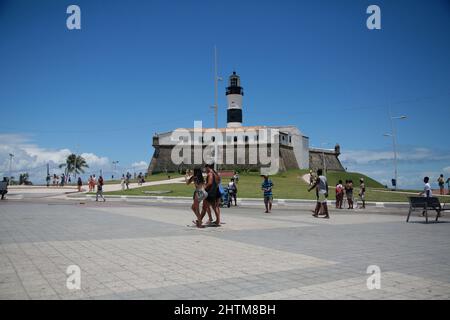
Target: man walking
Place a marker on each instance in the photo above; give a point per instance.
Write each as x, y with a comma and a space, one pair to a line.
267, 187
362, 193
321, 186
100, 189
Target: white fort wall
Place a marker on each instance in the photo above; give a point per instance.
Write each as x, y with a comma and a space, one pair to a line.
237, 147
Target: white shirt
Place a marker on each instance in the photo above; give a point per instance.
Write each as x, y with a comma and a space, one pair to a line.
427, 192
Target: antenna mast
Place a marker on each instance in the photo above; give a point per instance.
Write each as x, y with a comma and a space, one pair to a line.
216, 79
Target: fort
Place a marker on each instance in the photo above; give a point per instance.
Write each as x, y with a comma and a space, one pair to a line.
238, 147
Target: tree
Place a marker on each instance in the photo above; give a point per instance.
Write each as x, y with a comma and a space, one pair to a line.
74, 164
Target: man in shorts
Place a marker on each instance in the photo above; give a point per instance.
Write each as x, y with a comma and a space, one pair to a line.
362, 193
267, 186
321, 186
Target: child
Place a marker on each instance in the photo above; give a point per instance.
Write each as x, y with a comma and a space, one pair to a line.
339, 195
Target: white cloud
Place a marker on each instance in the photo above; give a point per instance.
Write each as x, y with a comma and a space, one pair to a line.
140, 165
33, 159
411, 154
94, 160
414, 164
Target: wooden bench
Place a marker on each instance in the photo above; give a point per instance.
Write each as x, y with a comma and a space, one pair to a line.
425, 203
226, 174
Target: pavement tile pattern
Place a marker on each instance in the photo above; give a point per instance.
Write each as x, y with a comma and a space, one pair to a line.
142, 251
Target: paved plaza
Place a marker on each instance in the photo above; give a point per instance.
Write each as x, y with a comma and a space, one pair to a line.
138, 250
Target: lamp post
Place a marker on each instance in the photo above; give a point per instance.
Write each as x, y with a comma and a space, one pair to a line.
216, 105
11, 156
115, 167
393, 135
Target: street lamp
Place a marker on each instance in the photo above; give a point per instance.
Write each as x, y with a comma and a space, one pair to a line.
393, 135
11, 156
115, 166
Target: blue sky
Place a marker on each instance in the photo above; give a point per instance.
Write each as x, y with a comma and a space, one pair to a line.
139, 67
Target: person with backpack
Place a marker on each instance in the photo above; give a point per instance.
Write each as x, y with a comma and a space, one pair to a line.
441, 183
232, 189
100, 189
339, 195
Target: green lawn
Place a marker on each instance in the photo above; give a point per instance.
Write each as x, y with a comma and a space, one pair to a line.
288, 185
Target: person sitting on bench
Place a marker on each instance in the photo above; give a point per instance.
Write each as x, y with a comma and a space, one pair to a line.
427, 192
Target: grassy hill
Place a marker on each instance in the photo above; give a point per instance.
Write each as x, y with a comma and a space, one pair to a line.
287, 185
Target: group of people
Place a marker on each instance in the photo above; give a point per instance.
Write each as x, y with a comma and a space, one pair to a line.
93, 183
346, 192
343, 191
125, 181
58, 181
206, 195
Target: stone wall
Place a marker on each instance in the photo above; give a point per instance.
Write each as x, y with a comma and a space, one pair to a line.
162, 160
332, 162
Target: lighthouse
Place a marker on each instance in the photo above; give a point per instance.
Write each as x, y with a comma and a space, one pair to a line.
234, 94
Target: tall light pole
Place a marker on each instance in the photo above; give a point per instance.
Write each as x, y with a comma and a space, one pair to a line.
216, 104
393, 135
115, 166
11, 156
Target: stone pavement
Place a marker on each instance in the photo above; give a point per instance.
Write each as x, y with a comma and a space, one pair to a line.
148, 251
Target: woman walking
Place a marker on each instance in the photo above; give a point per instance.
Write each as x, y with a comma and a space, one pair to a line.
199, 194
100, 189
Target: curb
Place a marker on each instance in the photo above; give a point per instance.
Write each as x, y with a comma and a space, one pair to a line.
244, 201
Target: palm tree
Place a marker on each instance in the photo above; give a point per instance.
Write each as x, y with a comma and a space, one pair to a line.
74, 164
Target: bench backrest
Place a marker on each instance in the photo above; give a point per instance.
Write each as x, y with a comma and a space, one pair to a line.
420, 202
226, 174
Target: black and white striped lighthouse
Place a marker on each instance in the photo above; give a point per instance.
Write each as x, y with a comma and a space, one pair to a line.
234, 96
